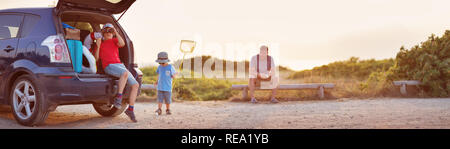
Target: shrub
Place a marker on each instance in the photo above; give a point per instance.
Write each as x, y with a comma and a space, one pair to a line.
184, 93
428, 62
149, 78
378, 85
351, 68
204, 89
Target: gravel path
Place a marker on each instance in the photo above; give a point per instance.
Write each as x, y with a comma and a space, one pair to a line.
341, 113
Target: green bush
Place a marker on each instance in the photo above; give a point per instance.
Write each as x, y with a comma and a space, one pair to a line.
428, 62
377, 85
352, 68
149, 78
203, 89
184, 93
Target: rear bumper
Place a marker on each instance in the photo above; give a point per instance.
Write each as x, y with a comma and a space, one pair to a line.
62, 86
62, 89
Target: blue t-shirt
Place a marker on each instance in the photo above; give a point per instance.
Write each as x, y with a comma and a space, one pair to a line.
165, 77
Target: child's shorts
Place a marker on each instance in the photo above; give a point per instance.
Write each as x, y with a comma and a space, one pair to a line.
117, 70
164, 96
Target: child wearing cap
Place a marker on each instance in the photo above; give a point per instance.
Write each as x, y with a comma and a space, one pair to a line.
109, 55
166, 73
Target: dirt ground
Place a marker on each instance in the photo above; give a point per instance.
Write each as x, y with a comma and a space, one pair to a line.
340, 113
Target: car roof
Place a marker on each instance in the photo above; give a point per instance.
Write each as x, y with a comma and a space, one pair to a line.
38, 11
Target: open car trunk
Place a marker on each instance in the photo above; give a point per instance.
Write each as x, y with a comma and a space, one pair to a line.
105, 6
90, 16
89, 22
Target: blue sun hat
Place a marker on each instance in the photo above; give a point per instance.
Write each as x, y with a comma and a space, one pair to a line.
163, 57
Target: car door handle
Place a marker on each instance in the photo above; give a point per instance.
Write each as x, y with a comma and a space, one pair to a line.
8, 49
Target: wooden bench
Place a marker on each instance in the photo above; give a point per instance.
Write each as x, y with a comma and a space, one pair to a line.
404, 83
148, 87
319, 86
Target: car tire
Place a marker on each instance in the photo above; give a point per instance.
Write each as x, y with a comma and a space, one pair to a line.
27, 102
108, 110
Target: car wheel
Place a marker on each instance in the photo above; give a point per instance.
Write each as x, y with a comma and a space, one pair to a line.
27, 102
108, 110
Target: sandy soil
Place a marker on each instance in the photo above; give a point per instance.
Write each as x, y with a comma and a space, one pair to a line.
341, 113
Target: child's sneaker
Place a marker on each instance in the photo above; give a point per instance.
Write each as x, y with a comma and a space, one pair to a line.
158, 112
253, 100
168, 112
131, 115
118, 102
274, 100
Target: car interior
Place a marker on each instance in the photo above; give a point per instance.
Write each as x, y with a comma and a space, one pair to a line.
89, 22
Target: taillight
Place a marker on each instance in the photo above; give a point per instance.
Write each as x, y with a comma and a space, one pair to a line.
57, 48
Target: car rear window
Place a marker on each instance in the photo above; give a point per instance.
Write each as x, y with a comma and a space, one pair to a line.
29, 23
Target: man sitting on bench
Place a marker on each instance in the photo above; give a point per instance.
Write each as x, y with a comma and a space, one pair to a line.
262, 74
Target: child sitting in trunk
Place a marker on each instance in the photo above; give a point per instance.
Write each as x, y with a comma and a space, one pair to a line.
109, 55
166, 73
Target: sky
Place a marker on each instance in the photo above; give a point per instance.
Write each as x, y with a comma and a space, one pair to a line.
300, 34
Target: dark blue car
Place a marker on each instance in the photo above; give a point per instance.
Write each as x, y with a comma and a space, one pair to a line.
36, 72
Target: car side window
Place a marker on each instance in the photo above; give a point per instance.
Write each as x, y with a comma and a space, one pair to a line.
29, 23
9, 25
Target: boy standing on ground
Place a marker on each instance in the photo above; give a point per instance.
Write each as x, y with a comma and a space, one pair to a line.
166, 73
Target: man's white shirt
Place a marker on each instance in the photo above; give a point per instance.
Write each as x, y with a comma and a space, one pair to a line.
263, 69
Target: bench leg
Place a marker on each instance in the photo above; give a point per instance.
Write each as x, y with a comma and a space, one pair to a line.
320, 92
245, 93
403, 90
